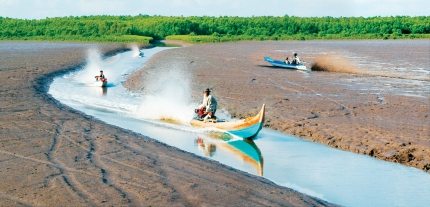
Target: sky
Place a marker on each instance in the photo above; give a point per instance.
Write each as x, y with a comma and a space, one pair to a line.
37, 9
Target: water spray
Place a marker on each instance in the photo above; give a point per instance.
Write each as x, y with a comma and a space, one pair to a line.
92, 68
168, 97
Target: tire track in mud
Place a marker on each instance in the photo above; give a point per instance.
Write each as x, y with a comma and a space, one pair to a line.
70, 183
94, 159
157, 165
70, 180
164, 177
104, 174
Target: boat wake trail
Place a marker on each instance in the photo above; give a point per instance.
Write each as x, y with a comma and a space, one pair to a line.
334, 63
135, 50
92, 68
167, 95
340, 64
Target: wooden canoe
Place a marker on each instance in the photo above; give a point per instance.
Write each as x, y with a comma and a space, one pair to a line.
245, 128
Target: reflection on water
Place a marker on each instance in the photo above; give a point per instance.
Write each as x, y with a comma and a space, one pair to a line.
336, 176
244, 149
207, 148
104, 91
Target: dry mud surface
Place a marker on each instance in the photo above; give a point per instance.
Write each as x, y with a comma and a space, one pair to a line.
325, 107
51, 155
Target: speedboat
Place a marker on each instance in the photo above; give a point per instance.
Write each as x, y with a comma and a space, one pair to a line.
282, 64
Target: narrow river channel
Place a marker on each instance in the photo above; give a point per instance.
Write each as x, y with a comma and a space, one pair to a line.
337, 176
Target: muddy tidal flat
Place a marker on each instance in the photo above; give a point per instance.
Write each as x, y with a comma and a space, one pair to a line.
377, 103
52, 155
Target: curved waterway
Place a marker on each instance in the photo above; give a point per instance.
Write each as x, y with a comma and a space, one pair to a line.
336, 176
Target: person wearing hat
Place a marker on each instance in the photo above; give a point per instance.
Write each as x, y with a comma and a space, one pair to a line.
207, 109
296, 59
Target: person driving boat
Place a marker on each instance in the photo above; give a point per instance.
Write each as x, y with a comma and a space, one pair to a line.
100, 77
296, 60
207, 109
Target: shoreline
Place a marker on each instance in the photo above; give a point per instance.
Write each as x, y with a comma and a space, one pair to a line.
209, 39
350, 123
187, 43
129, 168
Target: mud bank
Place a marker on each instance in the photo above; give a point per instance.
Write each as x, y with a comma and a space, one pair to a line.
383, 117
53, 155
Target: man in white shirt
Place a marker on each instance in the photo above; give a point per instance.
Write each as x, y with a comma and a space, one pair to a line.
296, 60
207, 109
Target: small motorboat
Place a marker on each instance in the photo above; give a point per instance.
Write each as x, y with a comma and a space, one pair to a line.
245, 128
282, 64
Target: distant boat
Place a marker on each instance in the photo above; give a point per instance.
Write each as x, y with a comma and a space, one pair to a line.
282, 64
245, 128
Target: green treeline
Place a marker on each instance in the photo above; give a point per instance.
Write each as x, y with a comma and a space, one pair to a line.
143, 28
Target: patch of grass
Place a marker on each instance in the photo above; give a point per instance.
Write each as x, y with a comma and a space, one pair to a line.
194, 38
226, 38
121, 38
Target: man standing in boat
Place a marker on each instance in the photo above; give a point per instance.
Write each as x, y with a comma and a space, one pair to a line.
207, 109
101, 77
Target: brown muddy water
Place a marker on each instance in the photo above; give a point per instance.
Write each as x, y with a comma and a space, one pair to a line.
399, 66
